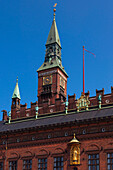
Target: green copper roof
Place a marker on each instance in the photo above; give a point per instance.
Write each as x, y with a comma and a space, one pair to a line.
53, 36
54, 63
52, 60
16, 93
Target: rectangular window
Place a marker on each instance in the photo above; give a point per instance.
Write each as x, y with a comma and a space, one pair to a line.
1, 165
109, 161
58, 163
42, 164
27, 164
93, 162
12, 165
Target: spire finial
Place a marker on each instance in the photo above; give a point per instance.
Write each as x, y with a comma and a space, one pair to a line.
74, 135
53, 36
16, 93
17, 79
74, 140
54, 10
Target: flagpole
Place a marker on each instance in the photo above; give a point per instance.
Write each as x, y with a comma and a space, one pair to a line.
83, 73
84, 67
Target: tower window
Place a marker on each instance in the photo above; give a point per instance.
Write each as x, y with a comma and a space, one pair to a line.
47, 89
58, 50
14, 102
51, 49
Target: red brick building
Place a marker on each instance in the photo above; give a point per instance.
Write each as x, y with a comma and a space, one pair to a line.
42, 137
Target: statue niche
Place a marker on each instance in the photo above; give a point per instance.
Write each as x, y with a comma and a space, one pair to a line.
74, 151
75, 155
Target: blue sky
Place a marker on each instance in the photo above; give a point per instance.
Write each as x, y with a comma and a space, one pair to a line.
24, 27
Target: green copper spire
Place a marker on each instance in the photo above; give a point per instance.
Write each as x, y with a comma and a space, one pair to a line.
53, 36
16, 93
53, 50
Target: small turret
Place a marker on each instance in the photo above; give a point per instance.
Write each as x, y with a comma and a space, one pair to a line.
5, 117
16, 97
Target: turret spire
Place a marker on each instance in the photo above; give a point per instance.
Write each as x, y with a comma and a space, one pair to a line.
16, 93
53, 36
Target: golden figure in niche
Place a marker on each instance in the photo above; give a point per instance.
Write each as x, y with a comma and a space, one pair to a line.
74, 152
75, 155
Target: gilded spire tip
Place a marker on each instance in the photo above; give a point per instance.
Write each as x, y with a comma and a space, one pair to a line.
54, 10
17, 79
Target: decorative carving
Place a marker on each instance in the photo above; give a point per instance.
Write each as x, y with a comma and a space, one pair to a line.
48, 73
36, 109
66, 106
100, 100
43, 152
59, 150
82, 102
28, 154
92, 147
62, 82
14, 155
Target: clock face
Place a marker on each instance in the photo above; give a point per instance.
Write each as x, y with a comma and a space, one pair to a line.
47, 80
62, 82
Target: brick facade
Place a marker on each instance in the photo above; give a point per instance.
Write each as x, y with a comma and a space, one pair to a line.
44, 130
48, 142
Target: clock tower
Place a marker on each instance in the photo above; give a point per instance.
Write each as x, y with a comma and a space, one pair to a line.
52, 78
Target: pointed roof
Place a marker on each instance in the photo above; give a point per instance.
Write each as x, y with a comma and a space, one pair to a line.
16, 93
53, 36
74, 140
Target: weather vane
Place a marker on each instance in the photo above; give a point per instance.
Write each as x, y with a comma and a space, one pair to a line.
54, 8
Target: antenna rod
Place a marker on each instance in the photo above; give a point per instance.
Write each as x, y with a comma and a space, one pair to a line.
83, 73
